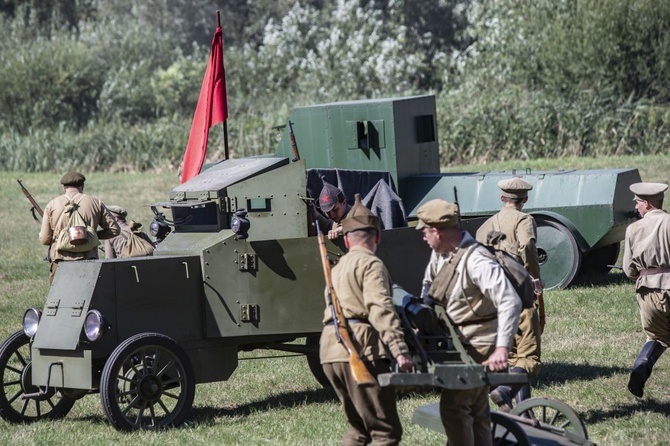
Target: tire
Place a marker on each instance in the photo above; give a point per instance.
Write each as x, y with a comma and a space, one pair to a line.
554, 416
560, 257
15, 366
314, 362
147, 383
507, 432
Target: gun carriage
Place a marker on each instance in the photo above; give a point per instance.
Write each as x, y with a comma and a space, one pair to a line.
240, 269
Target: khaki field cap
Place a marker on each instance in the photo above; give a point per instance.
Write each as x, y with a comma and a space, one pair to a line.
118, 210
437, 214
330, 196
72, 179
514, 187
648, 191
360, 217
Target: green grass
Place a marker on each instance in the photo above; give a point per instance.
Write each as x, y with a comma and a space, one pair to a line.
592, 337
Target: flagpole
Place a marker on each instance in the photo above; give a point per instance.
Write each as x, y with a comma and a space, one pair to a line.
225, 122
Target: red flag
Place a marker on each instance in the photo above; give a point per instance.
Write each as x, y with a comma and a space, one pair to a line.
212, 109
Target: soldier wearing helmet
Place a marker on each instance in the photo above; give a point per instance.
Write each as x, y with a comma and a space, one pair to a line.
334, 204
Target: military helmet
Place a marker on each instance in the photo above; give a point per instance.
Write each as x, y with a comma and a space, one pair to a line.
360, 217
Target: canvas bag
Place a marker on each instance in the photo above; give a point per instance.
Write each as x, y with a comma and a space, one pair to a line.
75, 219
136, 245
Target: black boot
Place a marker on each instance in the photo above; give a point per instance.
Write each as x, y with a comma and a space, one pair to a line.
502, 397
651, 351
521, 391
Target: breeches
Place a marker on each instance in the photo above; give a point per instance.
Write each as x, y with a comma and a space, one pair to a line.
655, 314
526, 350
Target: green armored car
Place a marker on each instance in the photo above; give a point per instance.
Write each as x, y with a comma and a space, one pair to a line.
241, 268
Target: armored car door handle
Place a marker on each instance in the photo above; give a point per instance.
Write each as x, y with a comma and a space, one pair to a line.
186, 267
137, 277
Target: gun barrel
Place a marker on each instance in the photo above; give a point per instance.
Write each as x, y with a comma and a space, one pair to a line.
35, 207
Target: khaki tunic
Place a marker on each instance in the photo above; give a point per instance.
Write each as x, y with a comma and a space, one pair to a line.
363, 287
647, 246
114, 247
92, 211
521, 232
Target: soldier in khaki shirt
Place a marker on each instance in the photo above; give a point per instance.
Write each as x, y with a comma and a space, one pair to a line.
646, 259
484, 308
520, 235
363, 286
92, 211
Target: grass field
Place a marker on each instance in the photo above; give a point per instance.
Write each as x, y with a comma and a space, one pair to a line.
591, 340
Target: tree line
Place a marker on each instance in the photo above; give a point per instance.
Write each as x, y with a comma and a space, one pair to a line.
112, 85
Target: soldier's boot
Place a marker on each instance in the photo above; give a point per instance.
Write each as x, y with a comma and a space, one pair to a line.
521, 391
502, 397
651, 351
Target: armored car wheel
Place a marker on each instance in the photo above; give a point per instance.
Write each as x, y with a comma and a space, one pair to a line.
15, 366
147, 383
507, 431
553, 415
314, 362
560, 257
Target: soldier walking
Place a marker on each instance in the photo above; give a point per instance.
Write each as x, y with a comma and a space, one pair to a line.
646, 259
520, 234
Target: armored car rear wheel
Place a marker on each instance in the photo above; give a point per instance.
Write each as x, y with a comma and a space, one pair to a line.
560, 257
554, 416
16, 369
314, 362
147, 383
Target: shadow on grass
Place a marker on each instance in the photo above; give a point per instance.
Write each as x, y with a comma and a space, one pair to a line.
289, 400
627, 410
616, 277
560, 372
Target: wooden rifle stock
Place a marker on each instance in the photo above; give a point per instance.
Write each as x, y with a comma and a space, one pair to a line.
358, 369
294, 145
36, 207
540, 305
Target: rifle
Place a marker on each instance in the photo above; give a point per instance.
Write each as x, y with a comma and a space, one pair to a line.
342, 330
294, 145
35, 206
540, 304
458, 207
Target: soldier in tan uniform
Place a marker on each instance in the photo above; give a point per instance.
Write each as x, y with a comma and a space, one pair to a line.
363, 286
646, 259
114, 247
520, 233
482, 304
92, 211
334, 204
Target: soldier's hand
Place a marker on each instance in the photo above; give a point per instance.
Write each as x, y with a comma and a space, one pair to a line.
335, 233
538, 284
497, 362
405, 362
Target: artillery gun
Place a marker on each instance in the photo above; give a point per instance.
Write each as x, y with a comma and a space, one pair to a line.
241, 271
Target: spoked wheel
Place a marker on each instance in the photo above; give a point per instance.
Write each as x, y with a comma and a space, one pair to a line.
15, 367
560, 257
314, 362
554, 416
147, 383
507, 431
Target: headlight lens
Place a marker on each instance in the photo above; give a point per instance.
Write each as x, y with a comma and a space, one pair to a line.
94, 325
31, 319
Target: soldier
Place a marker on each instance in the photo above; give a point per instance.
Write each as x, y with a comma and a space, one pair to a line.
55, 220
363, 287
333, 202
116, 247
646, 259
483, 306
520, 234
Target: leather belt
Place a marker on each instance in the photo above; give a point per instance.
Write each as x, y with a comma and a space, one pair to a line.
351, 320
652, 271
478, 321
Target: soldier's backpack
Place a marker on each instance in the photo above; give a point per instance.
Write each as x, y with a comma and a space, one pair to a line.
137, 244
77, 236
513, 268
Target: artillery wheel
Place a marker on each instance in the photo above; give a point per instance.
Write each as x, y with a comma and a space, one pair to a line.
314, 362
15, 366
506, 431
147, 383
560, 257
553, 415
600, 260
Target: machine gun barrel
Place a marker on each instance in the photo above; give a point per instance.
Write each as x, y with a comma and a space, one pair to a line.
294, 144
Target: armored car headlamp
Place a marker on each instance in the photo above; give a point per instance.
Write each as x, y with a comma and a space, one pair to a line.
239, 224
31, 319
94, 325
